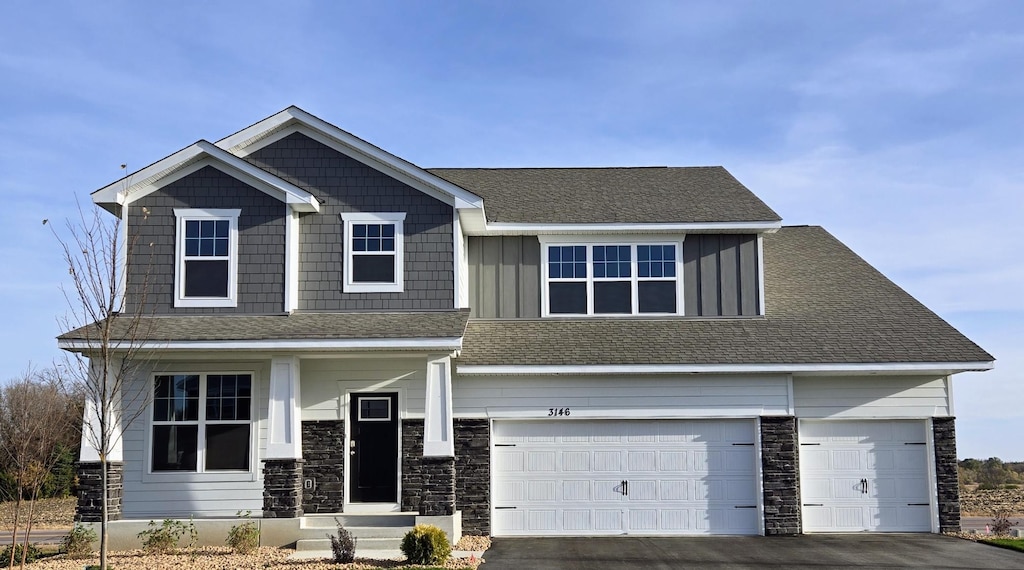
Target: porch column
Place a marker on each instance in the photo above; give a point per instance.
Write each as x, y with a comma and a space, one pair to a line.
946, 475
438, 466
779, 470
88, 468
282, 464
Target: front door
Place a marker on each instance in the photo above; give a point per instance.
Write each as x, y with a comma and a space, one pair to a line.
374, 448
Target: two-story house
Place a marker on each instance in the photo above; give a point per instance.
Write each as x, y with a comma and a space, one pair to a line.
523, 351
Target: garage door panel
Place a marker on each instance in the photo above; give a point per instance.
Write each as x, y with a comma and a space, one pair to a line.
641, 461
608, 461
674, 462
739, 460
576, 490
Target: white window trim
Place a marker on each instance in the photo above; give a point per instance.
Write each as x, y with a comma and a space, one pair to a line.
548, 241
396, 218
362, 399
200, 474
184, 214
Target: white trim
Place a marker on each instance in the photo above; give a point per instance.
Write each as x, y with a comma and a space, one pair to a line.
359, 412
759, 474
460, 264
760, 275
284, 409
395, 218
933, 479
949, 396
182, 215
291, 261
438, 426
442, 343
197, 155
499, 228
791, 400
121, 295
861, 368
252, 138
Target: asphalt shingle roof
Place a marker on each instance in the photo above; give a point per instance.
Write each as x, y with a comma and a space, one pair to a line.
824, 305
610, 195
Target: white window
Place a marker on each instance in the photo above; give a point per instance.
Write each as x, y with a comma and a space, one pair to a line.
612, 278
206, 258
202, 423
373, 252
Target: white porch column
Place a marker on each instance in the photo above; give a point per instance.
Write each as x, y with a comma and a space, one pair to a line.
438, 431
92, 437
284, 436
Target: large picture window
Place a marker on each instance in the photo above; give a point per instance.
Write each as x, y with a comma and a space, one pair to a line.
612, 279
202, 422
207, 258
374, 245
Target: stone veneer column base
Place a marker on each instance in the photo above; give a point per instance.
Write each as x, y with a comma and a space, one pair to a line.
428, 483
323, 451
90, 491
780, 473
473, 474
282, 488
946, 475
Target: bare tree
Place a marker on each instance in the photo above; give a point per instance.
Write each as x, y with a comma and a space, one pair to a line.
37, 418
107, 339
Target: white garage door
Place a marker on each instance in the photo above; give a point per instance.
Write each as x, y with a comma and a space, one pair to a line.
584, 477
864, 475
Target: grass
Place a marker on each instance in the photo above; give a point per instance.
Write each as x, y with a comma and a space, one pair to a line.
1010, 543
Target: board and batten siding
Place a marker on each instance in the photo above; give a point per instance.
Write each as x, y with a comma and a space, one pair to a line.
324, 383
720, 275
159, 495
504, 277
871, 397
620, 397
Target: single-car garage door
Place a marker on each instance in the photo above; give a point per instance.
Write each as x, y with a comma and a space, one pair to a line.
864, 475
592, 477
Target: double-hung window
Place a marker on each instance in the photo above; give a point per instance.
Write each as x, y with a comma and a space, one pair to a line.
612, 279
206, 252
374, 244
202, 423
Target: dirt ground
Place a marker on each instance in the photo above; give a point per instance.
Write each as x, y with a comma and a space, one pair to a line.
975, 503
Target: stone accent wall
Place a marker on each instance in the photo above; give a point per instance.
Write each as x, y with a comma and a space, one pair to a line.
323, 450
780, 452
428, 483
412, 458
90, 491
473, 475
282, 488
946, 476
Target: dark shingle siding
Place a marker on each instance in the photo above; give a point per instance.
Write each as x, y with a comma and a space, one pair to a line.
610, 195
347, 185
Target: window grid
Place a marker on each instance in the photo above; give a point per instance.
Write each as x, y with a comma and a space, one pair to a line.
370, 239
567, 262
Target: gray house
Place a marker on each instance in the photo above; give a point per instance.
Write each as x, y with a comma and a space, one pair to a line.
549, 351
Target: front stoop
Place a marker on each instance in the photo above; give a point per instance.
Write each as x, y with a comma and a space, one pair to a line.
372, 532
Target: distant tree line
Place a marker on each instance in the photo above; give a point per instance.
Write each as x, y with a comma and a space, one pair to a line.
990, 473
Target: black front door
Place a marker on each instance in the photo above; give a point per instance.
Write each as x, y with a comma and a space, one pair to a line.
374, 448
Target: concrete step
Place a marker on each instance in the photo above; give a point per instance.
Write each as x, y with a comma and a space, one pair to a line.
359, 532
358, 520
362, 544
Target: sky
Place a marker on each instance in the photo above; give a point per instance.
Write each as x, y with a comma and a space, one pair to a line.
894, 124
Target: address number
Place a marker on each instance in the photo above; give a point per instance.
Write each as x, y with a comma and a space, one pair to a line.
552, 412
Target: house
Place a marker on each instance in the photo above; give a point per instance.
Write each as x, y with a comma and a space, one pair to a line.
523, 351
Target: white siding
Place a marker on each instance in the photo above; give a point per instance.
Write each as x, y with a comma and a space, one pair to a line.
617, 396
149, 495
324, 383
870, 397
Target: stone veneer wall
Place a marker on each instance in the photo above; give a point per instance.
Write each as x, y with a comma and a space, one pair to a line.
282, 488
323, 450
946, 476
473, 475
779, 470
90, 491
428, 483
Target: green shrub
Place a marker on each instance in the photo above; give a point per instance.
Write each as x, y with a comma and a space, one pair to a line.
988, 487
31, 556
163, 539
244, 538
343, 544
78, 542
426, 544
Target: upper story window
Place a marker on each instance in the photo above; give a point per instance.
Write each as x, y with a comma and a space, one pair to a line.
374, 244
611, 279
206, 264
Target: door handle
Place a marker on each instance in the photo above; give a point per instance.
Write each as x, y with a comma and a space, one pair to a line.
864, 486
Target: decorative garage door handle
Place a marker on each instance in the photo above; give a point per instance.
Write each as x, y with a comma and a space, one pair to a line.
864, 486
624, 488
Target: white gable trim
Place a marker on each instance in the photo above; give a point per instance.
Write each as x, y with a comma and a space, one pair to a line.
796, 369
503, 228
442, 344
293, 119
191, 159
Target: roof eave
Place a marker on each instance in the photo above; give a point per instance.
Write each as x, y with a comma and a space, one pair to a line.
796, 369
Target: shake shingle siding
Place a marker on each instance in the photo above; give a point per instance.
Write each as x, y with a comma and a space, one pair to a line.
261, 236
343, 184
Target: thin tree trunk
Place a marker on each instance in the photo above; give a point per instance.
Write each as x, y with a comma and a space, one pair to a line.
103, 517
28, 526
14, 529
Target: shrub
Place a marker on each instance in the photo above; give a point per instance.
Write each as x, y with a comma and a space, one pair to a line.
32, 554
78, 542
343, 544
163, 539
1001, 524
244, 538
426, 544
987, 487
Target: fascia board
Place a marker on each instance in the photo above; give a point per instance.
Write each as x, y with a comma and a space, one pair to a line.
504, 228
796, 369
442, 344
238, 142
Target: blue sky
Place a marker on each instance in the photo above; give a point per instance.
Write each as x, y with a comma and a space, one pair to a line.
895, 124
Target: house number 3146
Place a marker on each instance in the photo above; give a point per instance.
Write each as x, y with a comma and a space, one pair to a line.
558, 412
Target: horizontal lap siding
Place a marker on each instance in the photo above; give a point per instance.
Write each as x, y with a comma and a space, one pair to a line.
324, 382
589, 396
870, 397
147, 496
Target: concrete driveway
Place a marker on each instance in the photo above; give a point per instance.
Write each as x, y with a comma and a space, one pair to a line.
808, 551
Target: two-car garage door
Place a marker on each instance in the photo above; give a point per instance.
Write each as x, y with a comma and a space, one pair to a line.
592, 477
